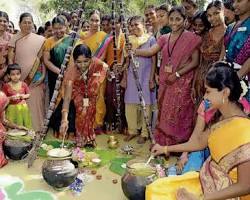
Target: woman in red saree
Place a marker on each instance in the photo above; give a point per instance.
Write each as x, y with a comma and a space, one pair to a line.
179, 58
83, 82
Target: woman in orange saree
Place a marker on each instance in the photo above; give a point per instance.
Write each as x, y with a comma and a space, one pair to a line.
83, 82
223, 175
26, 49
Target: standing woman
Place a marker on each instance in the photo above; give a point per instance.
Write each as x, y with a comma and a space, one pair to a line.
111, 93
146, 72
191, 8
237, 39
4, 41
26, 49
54, 51
97, 41
210, 48
162, 16
180, 56
83, 81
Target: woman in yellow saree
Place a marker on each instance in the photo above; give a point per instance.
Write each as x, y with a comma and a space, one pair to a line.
97, 41
224, 174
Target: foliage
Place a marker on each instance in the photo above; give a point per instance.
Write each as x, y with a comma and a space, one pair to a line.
131, 6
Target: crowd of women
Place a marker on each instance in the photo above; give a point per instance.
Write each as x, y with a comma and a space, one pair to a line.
192, 67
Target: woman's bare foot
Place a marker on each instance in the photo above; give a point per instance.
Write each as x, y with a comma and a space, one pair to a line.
183, 194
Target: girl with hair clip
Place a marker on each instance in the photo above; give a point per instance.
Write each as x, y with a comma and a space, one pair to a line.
223, 175
18, 92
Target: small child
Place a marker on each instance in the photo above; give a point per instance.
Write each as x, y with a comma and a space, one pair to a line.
17, 91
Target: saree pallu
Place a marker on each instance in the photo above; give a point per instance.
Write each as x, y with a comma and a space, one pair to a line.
4, 53
27, 50
218, 172
237, 42
57, 53
210, 53
176, 109
85, 115
98, 42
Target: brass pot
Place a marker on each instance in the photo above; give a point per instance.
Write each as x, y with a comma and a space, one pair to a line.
113, 143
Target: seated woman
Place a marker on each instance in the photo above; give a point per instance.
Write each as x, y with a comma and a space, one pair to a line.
223, 175
83, 82
4, 100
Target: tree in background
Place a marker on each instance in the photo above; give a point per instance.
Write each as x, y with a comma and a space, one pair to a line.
104, 6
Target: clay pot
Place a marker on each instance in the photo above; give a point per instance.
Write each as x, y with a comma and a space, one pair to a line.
134, 186
59, 173
15, 149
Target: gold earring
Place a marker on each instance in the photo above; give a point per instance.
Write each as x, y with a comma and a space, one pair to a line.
223, 100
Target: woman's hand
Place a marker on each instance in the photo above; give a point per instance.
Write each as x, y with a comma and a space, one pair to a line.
15, 97
157, 79
151, 84
118, 69
158, 150
129, 48
171, 79
182, 161
123, 82
193, 95
64, 126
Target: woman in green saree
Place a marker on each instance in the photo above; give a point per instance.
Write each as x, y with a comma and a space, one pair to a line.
55, 50
224, 174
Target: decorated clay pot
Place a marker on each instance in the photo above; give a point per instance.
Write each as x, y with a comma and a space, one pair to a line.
15, 149
134, 185
59, 173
